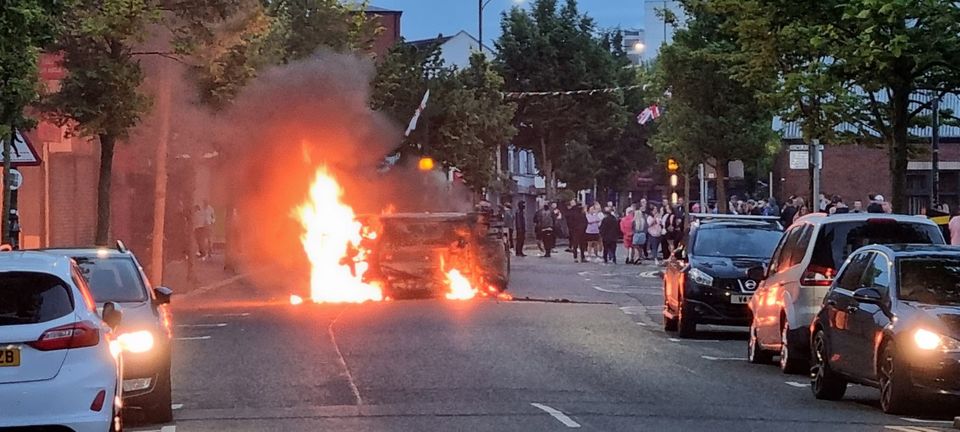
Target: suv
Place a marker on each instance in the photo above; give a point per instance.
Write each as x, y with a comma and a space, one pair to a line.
891, 320
708, 283
802, 269
116, 276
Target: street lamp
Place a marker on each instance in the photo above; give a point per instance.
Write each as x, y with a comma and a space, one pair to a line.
482, 4
639, 47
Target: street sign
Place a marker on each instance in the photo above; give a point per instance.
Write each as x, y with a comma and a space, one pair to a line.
16, 179
799, 147
799, 160
22, 152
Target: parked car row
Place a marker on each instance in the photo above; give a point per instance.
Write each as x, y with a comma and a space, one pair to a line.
862, 298
83, 337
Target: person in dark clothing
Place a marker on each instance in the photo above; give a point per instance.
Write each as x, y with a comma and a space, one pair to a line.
547, 223
876, 204
789, 212
577, 222
610, 235
520, 221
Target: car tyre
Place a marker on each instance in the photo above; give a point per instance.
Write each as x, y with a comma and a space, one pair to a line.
686, 322
789, 363
755, 353
669, 324
895, 389
160, 409
825, 383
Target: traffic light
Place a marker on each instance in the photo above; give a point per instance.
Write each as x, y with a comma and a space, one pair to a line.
674, 180
672, 166
426, 163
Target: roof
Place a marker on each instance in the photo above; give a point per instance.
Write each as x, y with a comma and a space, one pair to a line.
901, 250
376, 9
427, 43
35, 261
100, 252
854, 217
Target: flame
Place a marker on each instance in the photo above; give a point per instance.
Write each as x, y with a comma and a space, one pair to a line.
460, 288
331, 240
295, 299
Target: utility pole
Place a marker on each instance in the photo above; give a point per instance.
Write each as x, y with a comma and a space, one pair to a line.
816, 163
160, 187
7, 191
935, 155
702, 172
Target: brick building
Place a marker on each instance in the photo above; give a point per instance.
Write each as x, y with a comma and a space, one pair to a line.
389, 20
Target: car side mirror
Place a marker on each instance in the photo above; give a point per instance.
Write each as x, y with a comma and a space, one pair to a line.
757, 273
163, 295
111, 314
868, 296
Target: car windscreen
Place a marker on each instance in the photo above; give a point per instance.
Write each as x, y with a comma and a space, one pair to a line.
736, 242
423, 233
930, 280
32, 298
112, 279
836, 241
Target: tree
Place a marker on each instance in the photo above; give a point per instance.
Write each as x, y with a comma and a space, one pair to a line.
101, 96
710, 114
555, 49
28, 25
877, 56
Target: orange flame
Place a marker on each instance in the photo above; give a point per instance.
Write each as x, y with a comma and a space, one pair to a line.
295, 299
331, 240
460, 288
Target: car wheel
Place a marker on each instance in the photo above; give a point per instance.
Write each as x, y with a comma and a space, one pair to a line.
789, 362
686, 322
160, 408
826, 384
895, 389
755, 353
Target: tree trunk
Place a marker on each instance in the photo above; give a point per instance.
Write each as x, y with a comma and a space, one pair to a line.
160, 187
107, 144
7, 195
548, 174
721, 169
900, 149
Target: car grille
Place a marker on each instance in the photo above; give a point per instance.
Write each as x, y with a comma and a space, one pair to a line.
736, 285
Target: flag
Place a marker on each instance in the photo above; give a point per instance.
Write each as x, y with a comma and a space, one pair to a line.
416, 115
651, 113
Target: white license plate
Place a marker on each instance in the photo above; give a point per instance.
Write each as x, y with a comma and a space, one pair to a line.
740, 298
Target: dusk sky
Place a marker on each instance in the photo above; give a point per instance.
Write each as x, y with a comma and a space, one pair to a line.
424, 19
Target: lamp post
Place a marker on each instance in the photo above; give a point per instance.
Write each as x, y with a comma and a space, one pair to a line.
482, 5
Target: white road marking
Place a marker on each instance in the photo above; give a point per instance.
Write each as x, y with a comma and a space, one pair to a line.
168, 429
796, 384
706, 357
201, 325
176, 406
561, 417
238, 314
639, 323
610, 291
343, 361
651, 274
693, 340
911, 429
192, 338
916, 420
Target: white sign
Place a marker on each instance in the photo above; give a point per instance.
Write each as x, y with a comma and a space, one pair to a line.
799, 160
799, 147
16, 179
22, 153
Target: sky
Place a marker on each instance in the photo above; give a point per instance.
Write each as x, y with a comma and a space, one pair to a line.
424, 19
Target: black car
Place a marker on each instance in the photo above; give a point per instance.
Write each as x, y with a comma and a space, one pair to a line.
891, 320
706, 282
115, 275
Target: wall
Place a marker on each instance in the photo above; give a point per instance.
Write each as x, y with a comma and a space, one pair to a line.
390, 21
458, 49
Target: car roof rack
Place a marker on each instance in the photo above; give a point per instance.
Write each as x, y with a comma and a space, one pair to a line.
121, 247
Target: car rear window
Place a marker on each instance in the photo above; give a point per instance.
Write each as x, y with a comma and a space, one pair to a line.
112, 279
836, 241
32, 298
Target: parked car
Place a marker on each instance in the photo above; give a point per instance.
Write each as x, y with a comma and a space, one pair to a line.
58, 368
115, 275
802, 269
707, 283
891, 320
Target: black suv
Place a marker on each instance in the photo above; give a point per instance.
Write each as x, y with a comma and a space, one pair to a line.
115, 275
706, 282
891, 320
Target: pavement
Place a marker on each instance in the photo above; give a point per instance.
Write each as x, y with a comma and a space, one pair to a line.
580, 347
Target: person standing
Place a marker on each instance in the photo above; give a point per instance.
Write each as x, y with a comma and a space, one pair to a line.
610, 235
520, 225
626, 230
954, 228
789, 212
654, 234
876, 204
577, 222
507, 211
200, 231
673, 223
639, 236
547, 223
594, 244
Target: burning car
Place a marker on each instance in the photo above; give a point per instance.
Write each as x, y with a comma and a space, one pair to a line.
432, 254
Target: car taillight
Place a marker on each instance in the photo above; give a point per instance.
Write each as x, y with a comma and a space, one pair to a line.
817, 276
76, 335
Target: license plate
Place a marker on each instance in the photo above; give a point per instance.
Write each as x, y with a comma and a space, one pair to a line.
740, 299
9, 357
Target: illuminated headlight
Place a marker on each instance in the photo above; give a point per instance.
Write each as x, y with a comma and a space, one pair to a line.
700, 277
929, 341
136, 342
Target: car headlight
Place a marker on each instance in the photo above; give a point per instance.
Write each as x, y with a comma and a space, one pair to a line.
700, 277
929, 341
136, 342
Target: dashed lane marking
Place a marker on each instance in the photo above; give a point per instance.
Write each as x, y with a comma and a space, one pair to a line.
693, 340
192, 338
611, 291
796, 384
201, 325
712, 358
916, 420
911, 429
557, 414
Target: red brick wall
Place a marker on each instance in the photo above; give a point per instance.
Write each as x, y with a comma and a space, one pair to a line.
851, 171
390, 35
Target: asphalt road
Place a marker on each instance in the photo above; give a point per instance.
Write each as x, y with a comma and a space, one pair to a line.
245, 360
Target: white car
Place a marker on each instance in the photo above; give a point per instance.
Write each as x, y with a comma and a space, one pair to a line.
801, 271
58, 364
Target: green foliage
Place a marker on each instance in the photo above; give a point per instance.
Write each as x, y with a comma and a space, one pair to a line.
27, 25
